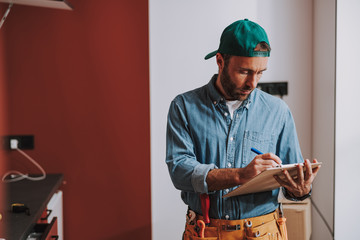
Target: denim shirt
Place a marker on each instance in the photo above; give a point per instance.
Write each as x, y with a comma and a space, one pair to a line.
201, 136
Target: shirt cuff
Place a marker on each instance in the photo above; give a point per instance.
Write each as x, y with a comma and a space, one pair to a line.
198, 177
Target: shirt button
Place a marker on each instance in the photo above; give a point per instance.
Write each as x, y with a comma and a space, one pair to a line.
229, 164
226, 190
225, 114
231, 139
215, 102
227, 217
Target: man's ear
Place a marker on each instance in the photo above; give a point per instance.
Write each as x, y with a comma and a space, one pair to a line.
220, 62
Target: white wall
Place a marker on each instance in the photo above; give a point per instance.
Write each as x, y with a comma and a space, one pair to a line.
347, 179
289, 26
181, 34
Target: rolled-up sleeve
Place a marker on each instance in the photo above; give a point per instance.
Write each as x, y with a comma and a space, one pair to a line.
198, 178
187, 174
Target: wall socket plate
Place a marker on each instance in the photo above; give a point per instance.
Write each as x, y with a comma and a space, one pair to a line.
274, 88
25, 142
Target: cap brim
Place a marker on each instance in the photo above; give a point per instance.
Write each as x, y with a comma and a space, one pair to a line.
210, 55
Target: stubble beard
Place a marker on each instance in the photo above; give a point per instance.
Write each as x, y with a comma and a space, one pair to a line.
230, 87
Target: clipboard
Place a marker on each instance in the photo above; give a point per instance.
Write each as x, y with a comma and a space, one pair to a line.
265, 180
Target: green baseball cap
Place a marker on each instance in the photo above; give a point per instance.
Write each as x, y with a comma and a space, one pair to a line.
240, 39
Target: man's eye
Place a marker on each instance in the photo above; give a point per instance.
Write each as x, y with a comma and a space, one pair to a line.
244, 72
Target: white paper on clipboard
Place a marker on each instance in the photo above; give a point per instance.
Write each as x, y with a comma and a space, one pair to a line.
265, 180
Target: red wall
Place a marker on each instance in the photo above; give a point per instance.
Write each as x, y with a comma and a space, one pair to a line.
79, 81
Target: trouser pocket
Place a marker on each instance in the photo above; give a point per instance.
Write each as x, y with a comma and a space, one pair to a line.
265, 231
211, 233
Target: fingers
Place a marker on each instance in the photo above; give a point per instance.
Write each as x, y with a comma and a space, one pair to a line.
291, 182
301, 183
281, 182
261, 165
300, 173
315, 170
262, 162
308, 170
269, 163
267, 160
271, 156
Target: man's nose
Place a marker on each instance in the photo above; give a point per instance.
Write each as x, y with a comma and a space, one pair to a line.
252, 81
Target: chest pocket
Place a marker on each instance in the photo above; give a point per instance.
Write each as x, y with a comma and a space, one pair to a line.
263, 141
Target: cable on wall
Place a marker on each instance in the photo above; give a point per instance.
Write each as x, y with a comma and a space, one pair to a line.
14, 176
5, 15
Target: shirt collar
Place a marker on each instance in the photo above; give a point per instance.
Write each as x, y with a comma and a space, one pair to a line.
217, 98
214, 94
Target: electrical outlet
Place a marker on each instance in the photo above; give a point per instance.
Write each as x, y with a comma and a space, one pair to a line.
22, 142
274, 88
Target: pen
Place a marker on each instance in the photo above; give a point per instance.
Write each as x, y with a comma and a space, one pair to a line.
256, 151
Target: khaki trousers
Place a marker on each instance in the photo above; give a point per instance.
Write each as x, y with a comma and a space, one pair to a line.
258, 228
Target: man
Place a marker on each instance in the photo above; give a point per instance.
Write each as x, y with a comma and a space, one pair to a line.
211, 131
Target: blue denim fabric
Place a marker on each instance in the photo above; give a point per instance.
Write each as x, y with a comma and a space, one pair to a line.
202, 136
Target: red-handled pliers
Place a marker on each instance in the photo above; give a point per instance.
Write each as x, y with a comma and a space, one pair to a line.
205, 206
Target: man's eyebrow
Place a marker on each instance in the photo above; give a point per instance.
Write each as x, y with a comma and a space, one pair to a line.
263, 70
249, 69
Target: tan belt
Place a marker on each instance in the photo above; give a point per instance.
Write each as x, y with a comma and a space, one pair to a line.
262, 227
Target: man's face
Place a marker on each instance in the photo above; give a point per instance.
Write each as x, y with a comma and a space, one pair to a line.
240, 77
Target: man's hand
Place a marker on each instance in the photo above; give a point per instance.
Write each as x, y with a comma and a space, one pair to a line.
218, 179
259, 164
301, 185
